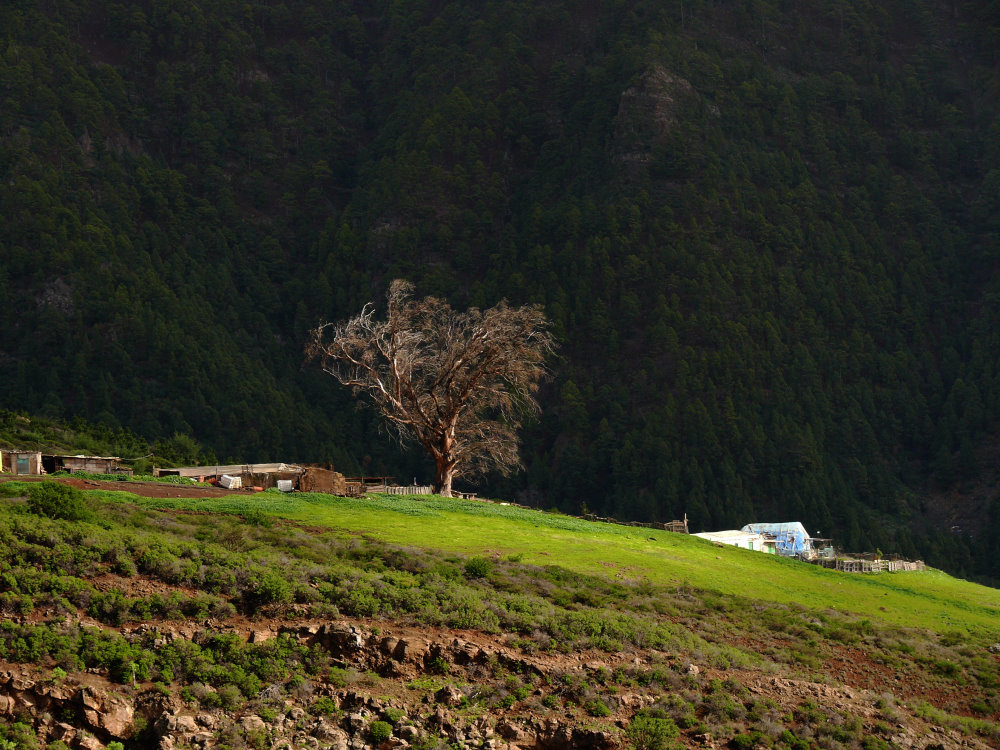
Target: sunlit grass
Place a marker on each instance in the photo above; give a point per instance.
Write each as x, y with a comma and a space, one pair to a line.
922, 599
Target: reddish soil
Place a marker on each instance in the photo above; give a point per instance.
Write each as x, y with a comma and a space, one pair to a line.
143, 489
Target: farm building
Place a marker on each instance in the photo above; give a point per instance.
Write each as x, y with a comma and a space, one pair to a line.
36, 462
791, 538
21, 462
741, 539
89, 464
304, 478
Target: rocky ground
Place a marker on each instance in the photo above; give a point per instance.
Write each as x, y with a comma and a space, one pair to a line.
419, 682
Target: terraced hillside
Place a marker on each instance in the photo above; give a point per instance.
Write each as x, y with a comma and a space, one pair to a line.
309, 621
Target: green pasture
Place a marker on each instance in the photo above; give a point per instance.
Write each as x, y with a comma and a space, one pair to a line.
921, 599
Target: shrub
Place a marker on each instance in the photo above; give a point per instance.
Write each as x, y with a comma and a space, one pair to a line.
439, 665
748, 741
230, 697
55, 500
379, 731
478, 567
393, 715
649, 731
271, 589
324, 706
598, 708
257, 517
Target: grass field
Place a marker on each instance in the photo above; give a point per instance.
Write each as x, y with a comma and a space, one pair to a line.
928, 599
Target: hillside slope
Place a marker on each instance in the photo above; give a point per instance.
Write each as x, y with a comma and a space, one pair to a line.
766, 236
176, 628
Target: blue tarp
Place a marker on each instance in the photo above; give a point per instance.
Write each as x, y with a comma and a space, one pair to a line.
791, 537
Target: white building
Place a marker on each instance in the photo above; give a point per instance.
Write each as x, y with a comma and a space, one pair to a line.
741, 539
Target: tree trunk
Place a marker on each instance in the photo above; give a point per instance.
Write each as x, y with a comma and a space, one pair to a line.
444, 471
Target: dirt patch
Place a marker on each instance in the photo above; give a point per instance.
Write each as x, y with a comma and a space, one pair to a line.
143, 489
138, 586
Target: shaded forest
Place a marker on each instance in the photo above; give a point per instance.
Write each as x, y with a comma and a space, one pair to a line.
767, 235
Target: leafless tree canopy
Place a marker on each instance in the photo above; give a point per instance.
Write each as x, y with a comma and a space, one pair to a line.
458, 382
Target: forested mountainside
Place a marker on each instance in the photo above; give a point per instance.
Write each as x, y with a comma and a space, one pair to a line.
766, 234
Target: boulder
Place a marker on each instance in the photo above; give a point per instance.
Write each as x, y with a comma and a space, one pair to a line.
261, 635
87, 741
116, 717
512, 732
253, 723
409, 733
449, 695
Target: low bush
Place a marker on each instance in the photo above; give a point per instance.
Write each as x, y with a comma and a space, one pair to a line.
55, 500
379, 731
393, 715
324, 706
598, 708
650, 730
478, 567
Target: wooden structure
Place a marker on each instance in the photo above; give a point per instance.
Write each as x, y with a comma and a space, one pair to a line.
89, 464
20, 462
411, 489
865, 565
357, 486
679, 527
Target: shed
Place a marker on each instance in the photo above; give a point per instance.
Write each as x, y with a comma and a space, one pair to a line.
21, 462
88, 464
791, 538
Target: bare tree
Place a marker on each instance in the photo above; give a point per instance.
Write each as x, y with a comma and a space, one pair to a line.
457, 382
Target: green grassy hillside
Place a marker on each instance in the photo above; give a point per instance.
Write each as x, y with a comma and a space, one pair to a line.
929, 599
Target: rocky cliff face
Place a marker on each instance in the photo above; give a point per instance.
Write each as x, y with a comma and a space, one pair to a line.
399, 682
399, 688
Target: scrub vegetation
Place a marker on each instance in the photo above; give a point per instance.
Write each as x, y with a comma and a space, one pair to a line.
99, 595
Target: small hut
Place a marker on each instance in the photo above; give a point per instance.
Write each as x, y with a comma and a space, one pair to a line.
87, 464
21, 462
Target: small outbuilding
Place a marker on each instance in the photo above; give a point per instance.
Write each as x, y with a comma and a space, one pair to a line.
89, 464
21, 462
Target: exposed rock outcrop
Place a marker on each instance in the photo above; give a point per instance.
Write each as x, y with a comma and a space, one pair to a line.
646, 113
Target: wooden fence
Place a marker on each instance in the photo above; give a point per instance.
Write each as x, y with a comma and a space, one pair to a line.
679, 527
412, 489
851, 565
